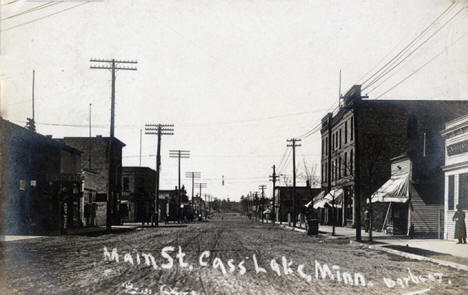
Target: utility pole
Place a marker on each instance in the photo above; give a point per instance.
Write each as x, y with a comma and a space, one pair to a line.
273, 178
30, 123
141, 139
262, 200
90, 138
201, 185
294, 144
193, 175
113, 65
179, 154
159, 130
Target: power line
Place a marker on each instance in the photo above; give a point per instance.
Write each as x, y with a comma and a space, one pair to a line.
44, 17
413, 51
422, 66
33, 9
410, 44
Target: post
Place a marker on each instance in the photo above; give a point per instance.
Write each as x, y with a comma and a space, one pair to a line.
357, 174
140, 145
179, 154
294, 145
273, 178
112, 65
159, 130
89, 142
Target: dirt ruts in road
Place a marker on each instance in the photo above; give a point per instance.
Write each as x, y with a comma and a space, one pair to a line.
76, 264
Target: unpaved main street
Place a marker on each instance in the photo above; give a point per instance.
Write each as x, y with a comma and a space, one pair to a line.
244, 258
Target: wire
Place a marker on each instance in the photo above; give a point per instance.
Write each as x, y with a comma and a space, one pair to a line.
425, 64
11, 2
44, 17
36, 8
411, 43
414, 50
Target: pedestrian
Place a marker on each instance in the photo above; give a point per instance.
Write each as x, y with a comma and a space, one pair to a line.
460, 227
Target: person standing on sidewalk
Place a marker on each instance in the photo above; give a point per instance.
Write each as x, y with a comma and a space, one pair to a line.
460, 227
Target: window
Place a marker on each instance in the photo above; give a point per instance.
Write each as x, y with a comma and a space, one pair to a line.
339, 168
451, 191
345, 164
346, 132
333, 141
326, 171
126, 184
101, 197
340, 138
463, 190
412, 127
326, 146
352, 128
351, 163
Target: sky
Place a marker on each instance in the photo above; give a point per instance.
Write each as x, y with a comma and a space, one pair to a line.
236, 78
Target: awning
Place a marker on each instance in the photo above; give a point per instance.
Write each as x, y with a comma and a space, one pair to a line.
322, 199
267, 211
394, 190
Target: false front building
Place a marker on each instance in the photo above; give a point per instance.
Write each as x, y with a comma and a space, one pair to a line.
40, 183
358, 143
95, 165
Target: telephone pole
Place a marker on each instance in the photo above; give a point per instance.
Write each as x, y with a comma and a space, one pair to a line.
89, 140
262, 200
113, 65
179, 154
193, 175
30, 123
159, 130
273, 178
294, 144
201, 185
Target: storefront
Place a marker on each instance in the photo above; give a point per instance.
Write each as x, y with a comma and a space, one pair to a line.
456, 171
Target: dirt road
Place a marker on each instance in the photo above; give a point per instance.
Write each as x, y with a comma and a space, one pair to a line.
232, 255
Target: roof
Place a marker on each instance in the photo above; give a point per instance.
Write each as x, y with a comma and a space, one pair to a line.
24, 133
95, 138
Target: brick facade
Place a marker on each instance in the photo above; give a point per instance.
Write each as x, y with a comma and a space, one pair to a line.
386, 129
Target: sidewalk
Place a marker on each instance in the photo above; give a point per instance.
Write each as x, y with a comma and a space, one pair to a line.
442, 252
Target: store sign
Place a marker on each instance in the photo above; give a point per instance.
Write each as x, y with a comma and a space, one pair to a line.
457, 148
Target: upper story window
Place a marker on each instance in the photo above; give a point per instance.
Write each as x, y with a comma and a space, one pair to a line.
351, 122
346, 132
340, 138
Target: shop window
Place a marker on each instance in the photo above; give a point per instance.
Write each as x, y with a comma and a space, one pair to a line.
463, 190
451, 192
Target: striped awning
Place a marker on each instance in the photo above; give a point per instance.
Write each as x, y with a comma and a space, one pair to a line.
323, 199
395, 190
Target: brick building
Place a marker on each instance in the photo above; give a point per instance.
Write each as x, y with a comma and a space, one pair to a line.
95, 158
40, 183
138, 192
361, 138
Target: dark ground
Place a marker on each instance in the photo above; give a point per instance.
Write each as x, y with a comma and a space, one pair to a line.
76, 264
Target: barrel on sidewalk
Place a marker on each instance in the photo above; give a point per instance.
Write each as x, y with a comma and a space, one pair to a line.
312, 226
